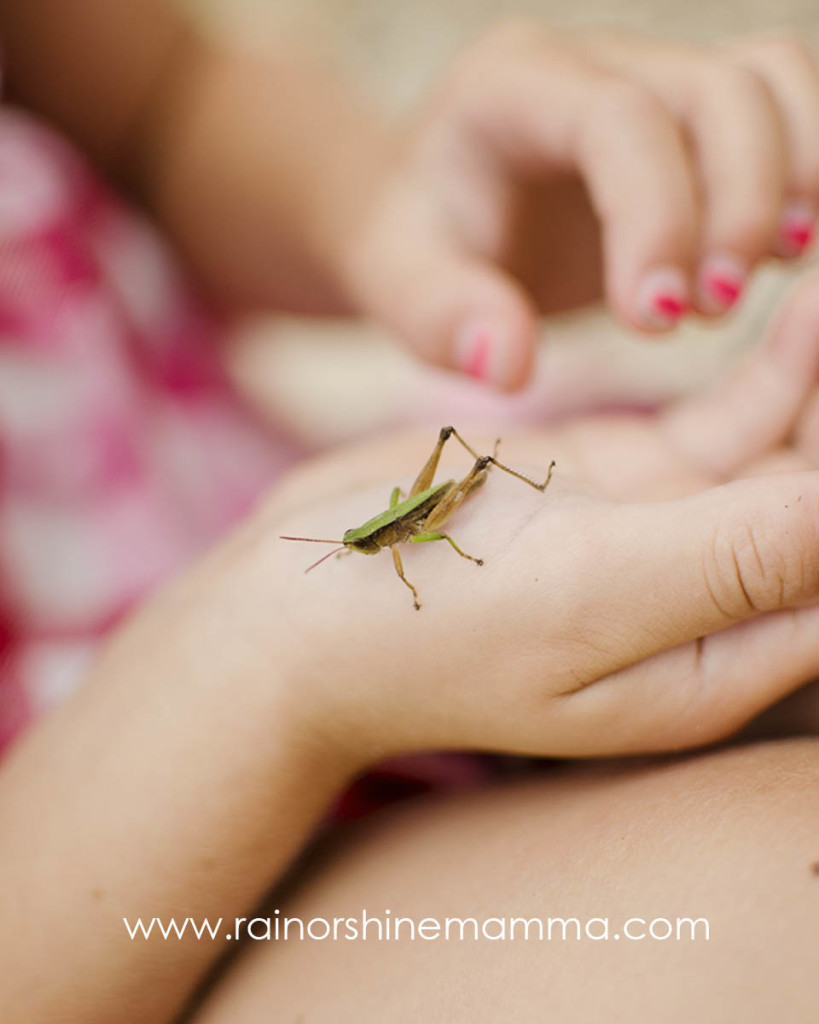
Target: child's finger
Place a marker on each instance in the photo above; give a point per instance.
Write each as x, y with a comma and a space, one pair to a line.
453, 308
696, 693
667, 573
791, 73
757, 406
618, 632
741, 155
738, 136
806, 433
536, 109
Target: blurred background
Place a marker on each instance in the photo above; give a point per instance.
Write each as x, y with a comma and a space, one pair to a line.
327, 391
395, 49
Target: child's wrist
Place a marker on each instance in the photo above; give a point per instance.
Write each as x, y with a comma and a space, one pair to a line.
217, 644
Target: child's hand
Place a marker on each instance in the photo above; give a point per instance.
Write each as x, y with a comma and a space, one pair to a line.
548, 169
640, 604
632, 607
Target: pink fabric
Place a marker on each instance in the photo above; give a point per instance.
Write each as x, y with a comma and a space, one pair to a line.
123, 449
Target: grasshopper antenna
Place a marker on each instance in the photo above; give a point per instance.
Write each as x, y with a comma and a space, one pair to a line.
324, 558
313, 540
318, 540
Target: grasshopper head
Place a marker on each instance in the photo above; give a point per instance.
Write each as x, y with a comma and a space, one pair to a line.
356, 540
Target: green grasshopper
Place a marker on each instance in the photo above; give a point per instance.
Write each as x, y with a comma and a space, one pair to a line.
419, 517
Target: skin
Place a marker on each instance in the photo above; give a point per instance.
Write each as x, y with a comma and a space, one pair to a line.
222, 719
192, 767
544, 171
581, 842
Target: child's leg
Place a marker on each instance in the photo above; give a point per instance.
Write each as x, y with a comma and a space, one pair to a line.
730, 836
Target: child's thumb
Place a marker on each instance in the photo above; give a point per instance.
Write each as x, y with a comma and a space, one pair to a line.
453, 309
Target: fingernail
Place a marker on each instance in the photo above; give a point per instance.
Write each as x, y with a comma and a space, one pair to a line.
479, 354
721, 283
662, 298
797, 227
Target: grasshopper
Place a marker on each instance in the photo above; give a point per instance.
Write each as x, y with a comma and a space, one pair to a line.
419, 517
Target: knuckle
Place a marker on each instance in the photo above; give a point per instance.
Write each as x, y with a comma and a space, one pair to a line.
737, 82
748, 577
620, 99
504, 45
617, 106
478, 70
756, 565
472, 90
786, 50
487, 73
464, 89
492, 52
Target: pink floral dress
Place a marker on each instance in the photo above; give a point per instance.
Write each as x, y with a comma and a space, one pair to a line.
124, 451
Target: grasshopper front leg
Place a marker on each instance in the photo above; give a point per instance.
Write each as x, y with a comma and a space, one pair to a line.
399, 568
421, 538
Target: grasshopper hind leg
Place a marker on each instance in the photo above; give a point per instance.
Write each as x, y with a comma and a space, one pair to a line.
399, 568
506, 469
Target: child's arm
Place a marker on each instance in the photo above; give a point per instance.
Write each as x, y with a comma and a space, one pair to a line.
257, 162
178, 783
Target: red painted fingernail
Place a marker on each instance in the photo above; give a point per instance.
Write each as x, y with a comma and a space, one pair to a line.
670, 306
477, 361
800, 235
724, 289
722, 282
476, 351
798, 228
662, 298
